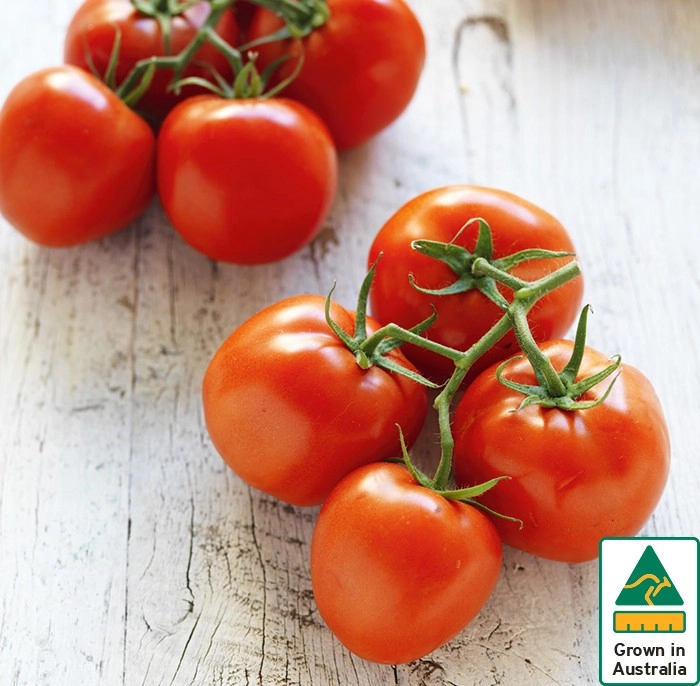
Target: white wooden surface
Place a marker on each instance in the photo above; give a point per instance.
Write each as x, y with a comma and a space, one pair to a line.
130, 555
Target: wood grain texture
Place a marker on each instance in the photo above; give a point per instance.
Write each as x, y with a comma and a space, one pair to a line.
130, 555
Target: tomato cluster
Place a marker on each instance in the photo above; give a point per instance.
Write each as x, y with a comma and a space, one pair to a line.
546, 445
167, 99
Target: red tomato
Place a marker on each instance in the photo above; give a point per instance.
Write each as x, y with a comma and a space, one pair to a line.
75, 162
244, 11
397, 570
94, 27
360, 69
246, 181
291, 412
577, 476
463, 318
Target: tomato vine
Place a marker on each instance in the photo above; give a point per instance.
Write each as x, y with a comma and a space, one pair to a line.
478, 270
300, 19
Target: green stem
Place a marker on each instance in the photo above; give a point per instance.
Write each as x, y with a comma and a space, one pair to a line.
131, 98
525, 295
180, 7
482, 267
443, 401
370, 345
523, 300
541, 364
515, 317
371, 350
300, 16
285, 8
179, 62
145, 7
233, 55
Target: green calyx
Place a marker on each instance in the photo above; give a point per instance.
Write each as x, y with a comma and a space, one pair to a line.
248, 82
135, 85
301, 17
372, 351
139, 78
461, 261
559, 389
467, 495
163, 12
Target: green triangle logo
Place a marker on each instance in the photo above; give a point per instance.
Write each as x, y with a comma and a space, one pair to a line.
649, 584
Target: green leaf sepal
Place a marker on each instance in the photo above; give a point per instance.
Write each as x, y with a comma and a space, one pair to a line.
301, 18
461, 261
569, 400
371, 351
467, 495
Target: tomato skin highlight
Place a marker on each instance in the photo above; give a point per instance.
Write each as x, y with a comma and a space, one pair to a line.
291, 412
76, 164
360, 70
397, 570
438, 215
246, 181
94, 26
576, 476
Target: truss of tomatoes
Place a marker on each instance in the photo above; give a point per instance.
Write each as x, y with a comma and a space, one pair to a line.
244, 162
549, 454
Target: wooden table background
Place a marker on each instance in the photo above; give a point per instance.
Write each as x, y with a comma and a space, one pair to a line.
130, 555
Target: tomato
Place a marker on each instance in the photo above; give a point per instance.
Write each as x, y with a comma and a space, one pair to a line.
243, 11
360, 69
75, 162
290, 410
397, 570
463, 318
94, 27
246, 181
577, 476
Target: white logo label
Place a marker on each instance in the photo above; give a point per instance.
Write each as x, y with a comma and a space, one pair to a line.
649, 611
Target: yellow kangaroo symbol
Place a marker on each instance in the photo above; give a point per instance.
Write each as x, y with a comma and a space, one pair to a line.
653, 590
